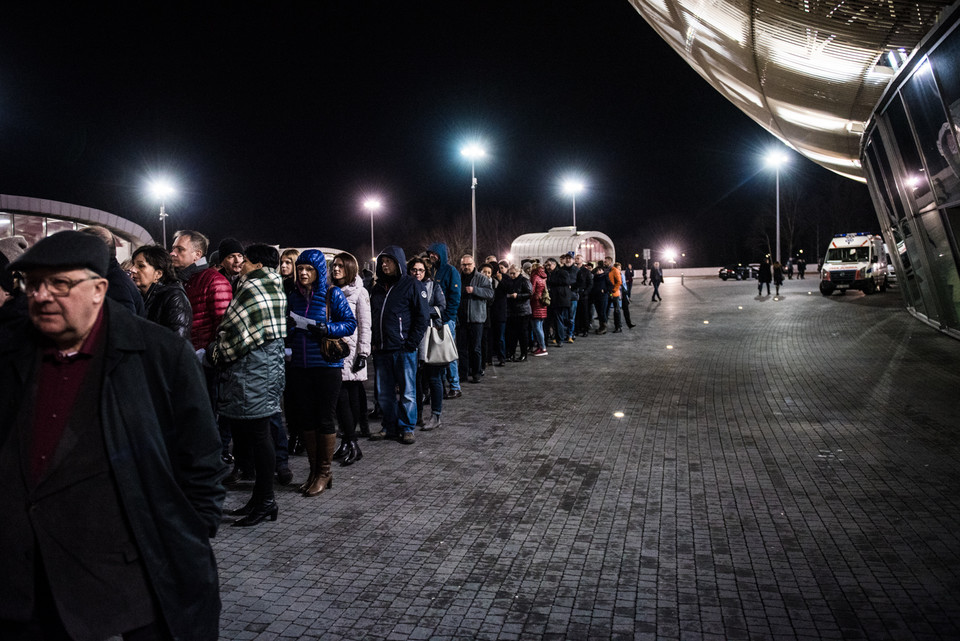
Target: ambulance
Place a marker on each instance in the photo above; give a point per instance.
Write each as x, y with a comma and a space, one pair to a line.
854, 261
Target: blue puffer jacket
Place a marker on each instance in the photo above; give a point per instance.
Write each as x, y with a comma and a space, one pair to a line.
313, 305
400, 313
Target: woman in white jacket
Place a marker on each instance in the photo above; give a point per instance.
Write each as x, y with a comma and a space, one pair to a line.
352, 404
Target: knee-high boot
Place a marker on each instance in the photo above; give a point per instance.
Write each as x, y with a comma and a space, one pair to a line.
309, 439
324, 478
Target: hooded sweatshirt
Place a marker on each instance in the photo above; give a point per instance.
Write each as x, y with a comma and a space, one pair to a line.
399, 311
448, 278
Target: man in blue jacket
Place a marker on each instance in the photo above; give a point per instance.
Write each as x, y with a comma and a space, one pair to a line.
398, 306
449, 280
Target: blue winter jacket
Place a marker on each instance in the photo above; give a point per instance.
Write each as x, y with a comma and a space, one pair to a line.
313, 305
448, 278
400, 314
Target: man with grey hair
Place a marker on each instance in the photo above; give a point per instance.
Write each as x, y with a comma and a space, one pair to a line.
109, 463
122, 288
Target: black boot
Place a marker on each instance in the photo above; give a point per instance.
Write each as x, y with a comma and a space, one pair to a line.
353, 455
260, 512
341, 450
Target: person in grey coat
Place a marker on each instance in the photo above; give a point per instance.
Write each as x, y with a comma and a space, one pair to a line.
476, 290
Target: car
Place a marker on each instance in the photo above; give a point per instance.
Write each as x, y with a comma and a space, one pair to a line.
738, 272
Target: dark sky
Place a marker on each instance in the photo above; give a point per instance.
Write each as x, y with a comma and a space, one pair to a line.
274, 122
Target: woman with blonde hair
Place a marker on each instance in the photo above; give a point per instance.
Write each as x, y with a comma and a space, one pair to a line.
352, 402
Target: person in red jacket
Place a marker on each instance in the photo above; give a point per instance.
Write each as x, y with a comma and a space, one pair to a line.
210, 294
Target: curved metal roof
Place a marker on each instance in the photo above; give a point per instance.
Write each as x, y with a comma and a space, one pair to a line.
86, 215
559, 240
809, 72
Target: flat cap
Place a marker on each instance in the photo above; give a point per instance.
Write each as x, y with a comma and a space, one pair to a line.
66, 250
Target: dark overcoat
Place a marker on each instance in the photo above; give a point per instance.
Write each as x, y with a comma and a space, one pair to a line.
164, 452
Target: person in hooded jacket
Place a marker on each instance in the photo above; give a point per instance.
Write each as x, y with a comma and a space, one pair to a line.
448, 278
318, 310
398, 305
538, 309
352, 403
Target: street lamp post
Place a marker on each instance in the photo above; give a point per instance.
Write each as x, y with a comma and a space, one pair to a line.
473, 152
776, 159
573, 188
372, 205
161, 189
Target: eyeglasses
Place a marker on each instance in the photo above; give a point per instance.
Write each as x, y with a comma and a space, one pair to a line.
418, 270
59, 287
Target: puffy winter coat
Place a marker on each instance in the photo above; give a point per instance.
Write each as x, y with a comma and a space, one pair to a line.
312, 303
359, 300
209, 294
169, 306
538, 283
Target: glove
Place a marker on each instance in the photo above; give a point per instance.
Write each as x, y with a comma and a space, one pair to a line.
317, 330
359, 364
291, 324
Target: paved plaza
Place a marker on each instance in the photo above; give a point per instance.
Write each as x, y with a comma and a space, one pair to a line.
734, 467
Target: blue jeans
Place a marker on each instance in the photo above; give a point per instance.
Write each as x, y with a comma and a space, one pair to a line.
453, 369
538, 338
561, 317
572, 319
393, 369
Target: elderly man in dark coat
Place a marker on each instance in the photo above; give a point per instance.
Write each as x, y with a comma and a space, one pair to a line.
109, 462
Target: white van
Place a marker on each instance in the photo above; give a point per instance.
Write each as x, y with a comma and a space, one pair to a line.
854, 261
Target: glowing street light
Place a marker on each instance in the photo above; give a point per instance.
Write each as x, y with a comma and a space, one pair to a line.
372, 205
776, 159
473, 152
161, 190
572, 188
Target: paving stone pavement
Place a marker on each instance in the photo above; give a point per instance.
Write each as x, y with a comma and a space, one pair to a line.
787, 470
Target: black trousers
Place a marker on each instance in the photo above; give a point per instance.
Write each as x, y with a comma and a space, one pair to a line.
518, 330
351, 408
469, 338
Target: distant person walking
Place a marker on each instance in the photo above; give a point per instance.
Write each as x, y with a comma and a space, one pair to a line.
764, 277
656, 277
801, 267
777, 276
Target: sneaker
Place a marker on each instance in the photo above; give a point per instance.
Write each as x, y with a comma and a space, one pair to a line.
379, 436
407, 438
454, 393
432, 424
540, 352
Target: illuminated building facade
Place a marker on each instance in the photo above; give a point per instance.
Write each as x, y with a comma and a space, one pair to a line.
36, 218
869, 89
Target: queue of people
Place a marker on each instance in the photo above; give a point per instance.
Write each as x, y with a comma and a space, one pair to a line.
237, 362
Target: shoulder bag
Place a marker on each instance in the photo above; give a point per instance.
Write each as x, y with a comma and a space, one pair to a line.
333, 349
438, 346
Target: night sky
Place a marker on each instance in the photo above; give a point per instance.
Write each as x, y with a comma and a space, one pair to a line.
276, 122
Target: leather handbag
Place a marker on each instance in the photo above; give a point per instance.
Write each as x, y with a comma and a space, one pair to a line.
438, 346
333, 349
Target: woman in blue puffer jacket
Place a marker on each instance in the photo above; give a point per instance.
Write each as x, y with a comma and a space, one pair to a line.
317, 310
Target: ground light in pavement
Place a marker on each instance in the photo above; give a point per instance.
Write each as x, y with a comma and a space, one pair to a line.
618, 415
